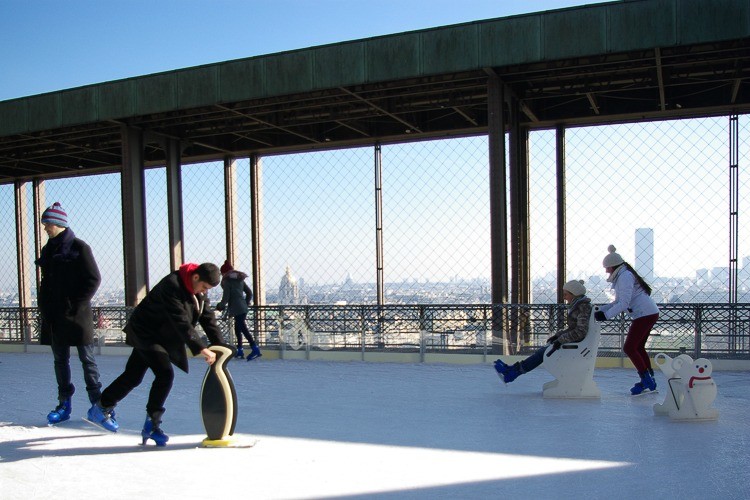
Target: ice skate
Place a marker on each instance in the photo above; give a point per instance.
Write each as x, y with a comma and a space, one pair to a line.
511, 373
645, 386
254, 353
507, 373
151, 430
240, 353
500, 368
61, 413
102, 417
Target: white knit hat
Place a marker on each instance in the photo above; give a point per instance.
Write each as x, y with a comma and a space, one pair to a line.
613, 258
575, 287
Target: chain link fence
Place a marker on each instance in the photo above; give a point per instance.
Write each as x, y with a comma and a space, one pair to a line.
658, 191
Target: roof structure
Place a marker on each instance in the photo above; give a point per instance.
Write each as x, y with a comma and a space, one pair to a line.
614, 62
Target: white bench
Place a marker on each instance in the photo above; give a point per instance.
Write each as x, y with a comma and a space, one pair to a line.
573, 366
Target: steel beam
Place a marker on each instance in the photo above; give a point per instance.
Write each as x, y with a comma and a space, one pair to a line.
561, 214
134, 239
174, 204
230, 208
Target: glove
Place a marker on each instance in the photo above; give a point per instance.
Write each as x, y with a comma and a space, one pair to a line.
599, 316
555, 346
552, 339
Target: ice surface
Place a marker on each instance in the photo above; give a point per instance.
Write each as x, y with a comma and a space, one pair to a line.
373, 430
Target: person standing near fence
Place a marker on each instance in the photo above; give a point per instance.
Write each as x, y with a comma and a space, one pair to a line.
632, 294
236, 298
70, 278
579, 314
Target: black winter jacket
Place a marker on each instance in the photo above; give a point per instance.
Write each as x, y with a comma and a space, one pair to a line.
166, 319
70, 278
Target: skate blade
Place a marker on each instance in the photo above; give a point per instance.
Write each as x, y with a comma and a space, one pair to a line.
156, 445
655, 391
97, 425
55, 424
502, 378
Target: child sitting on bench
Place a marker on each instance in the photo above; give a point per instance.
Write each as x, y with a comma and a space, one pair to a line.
579, 313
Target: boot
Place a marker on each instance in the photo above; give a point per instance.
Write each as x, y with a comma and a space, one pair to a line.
103, 417
240, 353
647, 383
507, 372
512, 373
151, 430
61, 413
254, 353
501, 367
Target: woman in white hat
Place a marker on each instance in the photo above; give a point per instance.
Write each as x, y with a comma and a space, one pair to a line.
579, 313
632, 294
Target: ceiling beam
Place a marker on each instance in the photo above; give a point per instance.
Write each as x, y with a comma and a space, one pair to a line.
592, 101
660, 78
385, 112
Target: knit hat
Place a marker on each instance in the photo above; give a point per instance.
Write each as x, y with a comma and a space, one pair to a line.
55, 215
575, 287
612, 259
226, 267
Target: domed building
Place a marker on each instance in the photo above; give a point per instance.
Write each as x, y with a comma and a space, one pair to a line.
288, 289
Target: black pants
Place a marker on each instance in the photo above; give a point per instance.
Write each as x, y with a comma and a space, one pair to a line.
135, 369
240, 329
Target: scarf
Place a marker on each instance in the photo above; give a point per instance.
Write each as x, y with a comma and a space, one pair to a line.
613, 275
59, 248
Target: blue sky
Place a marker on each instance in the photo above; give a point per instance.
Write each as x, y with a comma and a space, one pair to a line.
49, 45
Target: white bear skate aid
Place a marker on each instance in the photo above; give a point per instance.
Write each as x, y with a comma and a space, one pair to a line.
692, 390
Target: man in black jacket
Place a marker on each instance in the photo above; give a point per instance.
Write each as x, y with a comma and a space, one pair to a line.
158, 330
70, 278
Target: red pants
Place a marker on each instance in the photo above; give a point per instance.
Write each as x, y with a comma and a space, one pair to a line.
635, 342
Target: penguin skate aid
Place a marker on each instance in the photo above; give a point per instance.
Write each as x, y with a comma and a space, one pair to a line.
159, 329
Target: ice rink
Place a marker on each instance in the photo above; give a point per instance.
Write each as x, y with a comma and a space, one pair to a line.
373, 430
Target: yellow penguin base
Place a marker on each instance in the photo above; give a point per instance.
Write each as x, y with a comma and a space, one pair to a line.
227, 442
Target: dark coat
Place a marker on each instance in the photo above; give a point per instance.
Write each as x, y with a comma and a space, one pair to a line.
236, 295
165, 321
70, 278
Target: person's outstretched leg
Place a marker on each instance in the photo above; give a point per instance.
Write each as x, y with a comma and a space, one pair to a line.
160, 364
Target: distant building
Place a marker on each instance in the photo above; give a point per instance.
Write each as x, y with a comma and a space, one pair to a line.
644, 253
720, 275
288, 289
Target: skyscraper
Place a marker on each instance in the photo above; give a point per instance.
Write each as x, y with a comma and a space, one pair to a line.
644, 253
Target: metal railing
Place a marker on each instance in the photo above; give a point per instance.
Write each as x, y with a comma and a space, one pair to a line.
701, 330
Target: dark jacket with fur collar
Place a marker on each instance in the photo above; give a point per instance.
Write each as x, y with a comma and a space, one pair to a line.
166, 319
